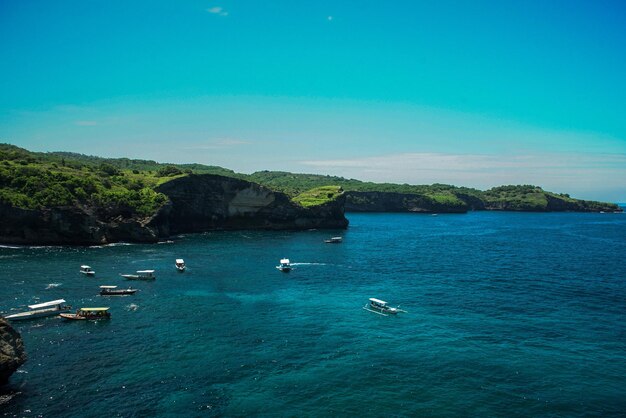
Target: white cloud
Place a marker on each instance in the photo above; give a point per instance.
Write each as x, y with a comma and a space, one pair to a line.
217, 10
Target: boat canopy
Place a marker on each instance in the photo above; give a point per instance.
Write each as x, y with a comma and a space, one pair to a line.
382, 302
108, 287
145, 271
284, 261
94, 309
180, 261
85, 267
46, 304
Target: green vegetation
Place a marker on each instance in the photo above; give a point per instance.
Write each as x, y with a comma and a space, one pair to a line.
318, 196
294, 184
525, 197
122, 185
517, 198
35, 180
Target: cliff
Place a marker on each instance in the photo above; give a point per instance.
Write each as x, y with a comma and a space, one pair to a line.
193, 203
12, 354
400, 202
529, 198
82, 225
390, 197
207, 202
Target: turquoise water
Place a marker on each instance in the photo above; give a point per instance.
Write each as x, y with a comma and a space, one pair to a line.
509, 314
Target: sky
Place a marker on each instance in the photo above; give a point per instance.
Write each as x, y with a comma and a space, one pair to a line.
477, 94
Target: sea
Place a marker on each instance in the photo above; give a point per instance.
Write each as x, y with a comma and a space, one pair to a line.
507, 315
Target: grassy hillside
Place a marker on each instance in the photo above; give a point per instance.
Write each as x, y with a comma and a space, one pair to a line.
294, 184
515, 198
35, 180
318, 196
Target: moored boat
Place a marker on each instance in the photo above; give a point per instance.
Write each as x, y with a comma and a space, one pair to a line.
141, 275
40, 310
284, 266
83, 314
86, 270
114, 291
180, 265
381, 307
334, 240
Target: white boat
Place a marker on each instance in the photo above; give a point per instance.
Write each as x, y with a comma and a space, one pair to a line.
141, 275
39, 310
87, 270
285, 265
334, 240
180, 265
114, 291
381, 307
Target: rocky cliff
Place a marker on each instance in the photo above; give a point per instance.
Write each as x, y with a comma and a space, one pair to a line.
532, 200
196, 203
550, 203
12, 354
80, 225
399, 202
208, 202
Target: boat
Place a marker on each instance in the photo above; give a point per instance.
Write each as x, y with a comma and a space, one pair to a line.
83, 314
40, 310
180, 265
285, 265
334, 240
141, 275
114, 291
86, 270
381, 307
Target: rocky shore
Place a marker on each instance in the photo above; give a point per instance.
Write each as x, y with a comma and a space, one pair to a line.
12, 354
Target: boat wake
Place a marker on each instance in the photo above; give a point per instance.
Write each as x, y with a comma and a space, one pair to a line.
12, 247
308, 264
166, 242
53, 285
113, 244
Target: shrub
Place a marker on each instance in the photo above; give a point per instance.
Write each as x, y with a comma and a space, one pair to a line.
168, 171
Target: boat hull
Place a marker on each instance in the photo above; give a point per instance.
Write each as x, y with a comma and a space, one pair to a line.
23, 316
119, 292
136, 277
74, 317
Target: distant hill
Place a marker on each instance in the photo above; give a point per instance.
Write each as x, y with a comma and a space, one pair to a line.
34, 180
432, 198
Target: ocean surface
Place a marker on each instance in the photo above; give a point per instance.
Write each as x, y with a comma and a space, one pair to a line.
509, 314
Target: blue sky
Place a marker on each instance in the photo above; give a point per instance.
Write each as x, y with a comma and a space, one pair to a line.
479, 94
